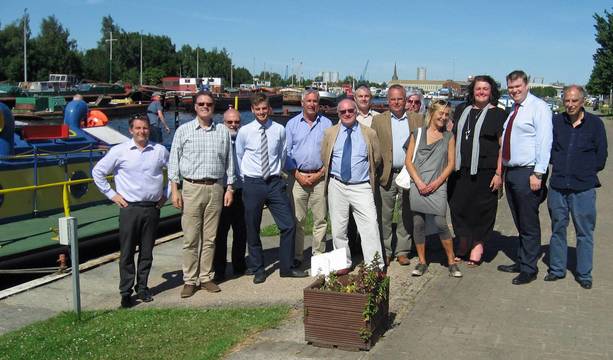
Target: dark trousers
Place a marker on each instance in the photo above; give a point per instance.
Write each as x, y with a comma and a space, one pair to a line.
155, 134
272, 192
137, 226
232, 216
524, 204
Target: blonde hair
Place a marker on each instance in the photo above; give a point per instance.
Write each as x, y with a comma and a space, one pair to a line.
435, 106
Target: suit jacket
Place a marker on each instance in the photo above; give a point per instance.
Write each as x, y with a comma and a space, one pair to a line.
372, 144
382, 125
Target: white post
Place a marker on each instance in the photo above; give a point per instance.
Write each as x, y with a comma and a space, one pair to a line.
197, 61
141, 59
68, 236
25, 47
110, 41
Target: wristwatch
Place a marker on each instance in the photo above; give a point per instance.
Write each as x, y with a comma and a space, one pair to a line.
538, 175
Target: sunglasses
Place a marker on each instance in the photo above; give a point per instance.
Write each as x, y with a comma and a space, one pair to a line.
207, 104
139, 116
413, 101
347, 111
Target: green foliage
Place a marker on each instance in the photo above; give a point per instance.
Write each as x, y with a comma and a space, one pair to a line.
52, 51
242, 76
11, 49
136, 334
542, 92
601, 79
273, 230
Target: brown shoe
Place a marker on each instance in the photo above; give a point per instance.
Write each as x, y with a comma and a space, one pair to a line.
188, 290
210, 287
403, 260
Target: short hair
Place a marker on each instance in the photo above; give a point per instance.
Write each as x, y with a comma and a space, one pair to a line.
142, 117
517, 74
495, 94
415, 92
355, 106
579, 88
397, 87
258, 98
365, 88
205, 93
435, 106
310, 91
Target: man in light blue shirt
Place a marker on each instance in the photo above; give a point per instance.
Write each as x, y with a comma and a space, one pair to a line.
137, 165
525, 153
304, 134
261, 152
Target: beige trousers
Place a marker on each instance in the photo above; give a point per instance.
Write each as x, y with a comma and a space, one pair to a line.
202, 206
302, 199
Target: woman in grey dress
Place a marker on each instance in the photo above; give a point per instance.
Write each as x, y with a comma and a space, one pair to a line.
433, 163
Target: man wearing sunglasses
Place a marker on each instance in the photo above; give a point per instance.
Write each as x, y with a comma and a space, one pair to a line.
393, 128
261, 153
139, 182
200, 158
350, 154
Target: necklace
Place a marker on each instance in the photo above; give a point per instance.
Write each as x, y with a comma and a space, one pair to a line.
468, 130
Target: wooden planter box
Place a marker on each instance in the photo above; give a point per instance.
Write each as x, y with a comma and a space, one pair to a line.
335, 319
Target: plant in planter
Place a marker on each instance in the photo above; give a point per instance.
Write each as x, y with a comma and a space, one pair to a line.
348, 311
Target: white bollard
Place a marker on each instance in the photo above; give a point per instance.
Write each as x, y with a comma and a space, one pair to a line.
68, 236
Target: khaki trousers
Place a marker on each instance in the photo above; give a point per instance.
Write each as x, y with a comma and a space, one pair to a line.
302, 199
202, 206
386, 202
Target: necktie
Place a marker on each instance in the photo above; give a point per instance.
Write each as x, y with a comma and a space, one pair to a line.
506, 143
264, 154
346, 159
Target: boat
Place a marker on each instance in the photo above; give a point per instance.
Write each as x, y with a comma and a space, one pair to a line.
291, 96
242, 100
327, 96
45, 173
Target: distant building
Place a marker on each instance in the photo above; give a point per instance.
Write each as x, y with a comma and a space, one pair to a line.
329, 76
395, 75
421, 73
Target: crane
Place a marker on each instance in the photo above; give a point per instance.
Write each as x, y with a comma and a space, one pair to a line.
363, 74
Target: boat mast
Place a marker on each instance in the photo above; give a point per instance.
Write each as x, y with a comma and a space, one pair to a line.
110, 41
25, 46
141, 58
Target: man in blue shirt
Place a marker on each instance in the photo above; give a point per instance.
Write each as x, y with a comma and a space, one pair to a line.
350, 154
261, 152
526, 147
155, 113
137, 165
578, 153
304, 134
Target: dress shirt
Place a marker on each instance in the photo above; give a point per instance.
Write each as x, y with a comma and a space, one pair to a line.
304, 142
238, 183
201, 153
400, 134
577, 153
138, 173
531, 135
366, 120
359, 154
248, 143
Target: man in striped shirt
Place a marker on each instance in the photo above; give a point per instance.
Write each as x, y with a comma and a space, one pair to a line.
200, 157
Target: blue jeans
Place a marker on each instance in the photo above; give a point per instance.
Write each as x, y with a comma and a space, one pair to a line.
582, 209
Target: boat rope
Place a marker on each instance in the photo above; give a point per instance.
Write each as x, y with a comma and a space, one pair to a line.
42, 270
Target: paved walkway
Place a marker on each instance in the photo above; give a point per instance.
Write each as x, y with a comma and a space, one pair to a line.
481, 316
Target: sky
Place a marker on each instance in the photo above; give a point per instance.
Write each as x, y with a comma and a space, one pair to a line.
548, 39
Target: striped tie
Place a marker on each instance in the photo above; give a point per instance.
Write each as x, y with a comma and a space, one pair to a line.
264, 154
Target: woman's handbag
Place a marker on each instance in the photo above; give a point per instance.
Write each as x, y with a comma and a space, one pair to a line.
403, 180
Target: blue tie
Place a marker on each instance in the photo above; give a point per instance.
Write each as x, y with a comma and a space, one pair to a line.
346, 159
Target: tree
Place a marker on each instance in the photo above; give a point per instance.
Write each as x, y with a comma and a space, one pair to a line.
11, 49
601, 80
53, 51
547, 91
242, 76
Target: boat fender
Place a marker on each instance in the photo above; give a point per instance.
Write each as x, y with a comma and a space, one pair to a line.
96, 118
75, 113
7, 130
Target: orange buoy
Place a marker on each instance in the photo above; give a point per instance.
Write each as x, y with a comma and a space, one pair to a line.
96, 118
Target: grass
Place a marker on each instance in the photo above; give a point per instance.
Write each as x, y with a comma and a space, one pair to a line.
273, 230
139, 334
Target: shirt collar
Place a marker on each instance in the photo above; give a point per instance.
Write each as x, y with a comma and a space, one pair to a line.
403, 117
196, 125
353, 127
132, 145
317, 117
267, 124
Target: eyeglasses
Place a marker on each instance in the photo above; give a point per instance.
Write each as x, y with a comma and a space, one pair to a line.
139, 116
207, 104
413, 101
346, 111
440, 102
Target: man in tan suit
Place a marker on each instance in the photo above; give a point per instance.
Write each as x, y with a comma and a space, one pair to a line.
393, 128
350, 154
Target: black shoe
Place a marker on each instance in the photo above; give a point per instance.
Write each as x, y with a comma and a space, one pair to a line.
514, 268
294, 273
552, 277
219, 278
144, 295
296, 264
259, 277
524, 278
126, 301
586, 284
249, 271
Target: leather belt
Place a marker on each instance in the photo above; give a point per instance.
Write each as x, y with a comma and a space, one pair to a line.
347, 182
202, 181
309, 171
396, 170
142, 203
